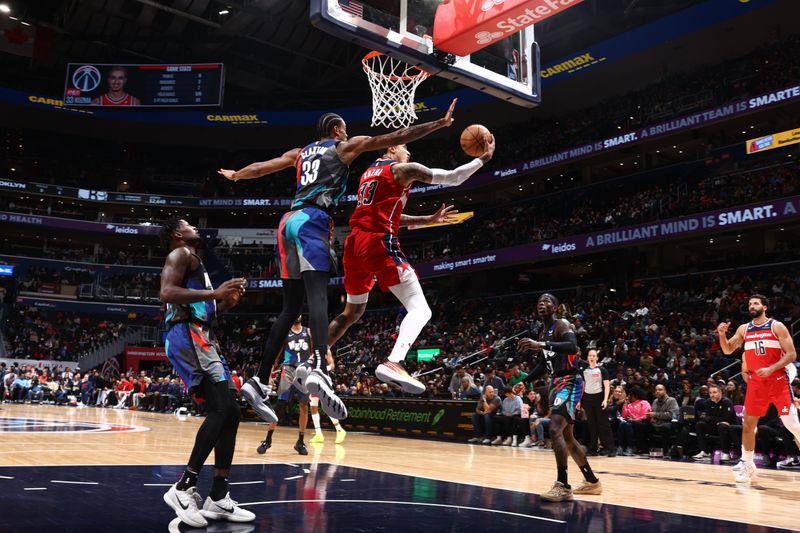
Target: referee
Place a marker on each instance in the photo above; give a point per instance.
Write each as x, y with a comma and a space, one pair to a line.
595, 396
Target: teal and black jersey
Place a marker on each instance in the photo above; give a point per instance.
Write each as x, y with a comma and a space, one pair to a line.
297, 347
202, 312
321, 176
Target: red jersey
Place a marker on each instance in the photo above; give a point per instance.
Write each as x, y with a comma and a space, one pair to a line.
380, 200
127, 100
761, 347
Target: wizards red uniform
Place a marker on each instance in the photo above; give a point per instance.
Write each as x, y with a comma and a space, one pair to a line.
127, 100
761, 350
372, 250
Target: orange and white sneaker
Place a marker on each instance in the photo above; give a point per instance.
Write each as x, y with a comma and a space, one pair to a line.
391, 372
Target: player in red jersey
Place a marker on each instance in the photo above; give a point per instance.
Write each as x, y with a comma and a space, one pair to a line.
768, 369
372, 250
116, 95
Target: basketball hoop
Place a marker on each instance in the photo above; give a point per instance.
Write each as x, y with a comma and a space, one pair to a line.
393, 84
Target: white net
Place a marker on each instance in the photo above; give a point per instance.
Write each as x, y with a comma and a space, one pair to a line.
393, 85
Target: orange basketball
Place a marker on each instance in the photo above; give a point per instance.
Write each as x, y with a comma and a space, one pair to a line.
473, 140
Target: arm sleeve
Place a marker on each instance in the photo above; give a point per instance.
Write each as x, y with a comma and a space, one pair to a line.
603, 374
457, 176
567, 346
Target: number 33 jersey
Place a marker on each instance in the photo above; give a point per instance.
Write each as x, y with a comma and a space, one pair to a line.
321, 176
380, 200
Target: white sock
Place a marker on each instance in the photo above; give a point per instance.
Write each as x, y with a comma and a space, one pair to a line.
315, 419
336, 424
411, 296
747, 456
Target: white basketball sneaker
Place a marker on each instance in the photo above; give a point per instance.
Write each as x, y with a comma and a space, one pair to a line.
256, 395
184, 503
300, 376
226, 509
319, 383
748, 473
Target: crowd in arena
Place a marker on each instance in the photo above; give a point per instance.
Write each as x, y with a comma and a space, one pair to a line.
33, 333
605, 206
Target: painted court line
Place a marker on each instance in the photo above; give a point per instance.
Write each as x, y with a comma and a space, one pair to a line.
34, 488
440, 505
74, 482
158, 484
6, 477
291, 478
347, 480
245, 482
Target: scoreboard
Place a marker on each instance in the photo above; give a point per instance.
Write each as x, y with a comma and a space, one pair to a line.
144, 85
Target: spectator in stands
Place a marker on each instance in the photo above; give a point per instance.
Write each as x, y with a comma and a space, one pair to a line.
21, 387
494, 380
509, 421
634, 421
123, 391
717, 414
686, 396
102, 388
455, 381
664, 417
485, 413
703, 399
618, 400
540, 421
87, 390
139, 392
517, 375
468, 390
734, 393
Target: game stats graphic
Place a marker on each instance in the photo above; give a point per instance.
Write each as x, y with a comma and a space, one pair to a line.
144, 85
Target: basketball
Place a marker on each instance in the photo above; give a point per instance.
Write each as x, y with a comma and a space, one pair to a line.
473, 140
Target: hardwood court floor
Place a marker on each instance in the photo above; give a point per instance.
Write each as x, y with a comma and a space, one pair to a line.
42, 436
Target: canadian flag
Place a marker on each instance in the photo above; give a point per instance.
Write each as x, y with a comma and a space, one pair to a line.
16, 38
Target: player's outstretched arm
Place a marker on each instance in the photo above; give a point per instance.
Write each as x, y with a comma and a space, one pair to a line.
446, 214
262, 168
352, 148
407, 173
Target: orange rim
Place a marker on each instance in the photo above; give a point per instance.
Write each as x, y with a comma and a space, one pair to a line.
368, 69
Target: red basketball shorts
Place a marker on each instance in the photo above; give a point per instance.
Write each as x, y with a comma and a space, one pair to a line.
369, 256
774, 389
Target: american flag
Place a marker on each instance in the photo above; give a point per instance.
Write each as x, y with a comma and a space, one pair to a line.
353, 7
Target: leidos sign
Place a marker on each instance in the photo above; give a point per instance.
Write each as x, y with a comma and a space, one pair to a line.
460, 29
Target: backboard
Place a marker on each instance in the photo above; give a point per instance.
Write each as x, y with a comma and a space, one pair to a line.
507, 69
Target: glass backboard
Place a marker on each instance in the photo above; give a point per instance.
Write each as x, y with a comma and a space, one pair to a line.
507, 69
